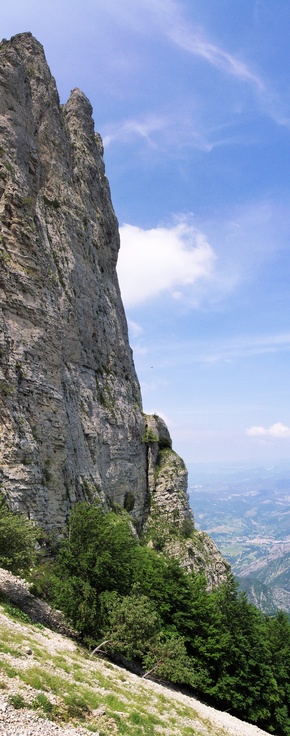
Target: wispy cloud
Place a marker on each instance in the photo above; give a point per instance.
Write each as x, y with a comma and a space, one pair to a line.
245, 347
163, 259
135, 329
169, 18
143, 127
277, 430
195, 41
254, 345
172, 129
184, 353
196, 44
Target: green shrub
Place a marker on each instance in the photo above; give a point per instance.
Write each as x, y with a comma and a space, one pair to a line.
42, 580
129, 623
18, 539
17, 613
97, 556
152, 612
149, 437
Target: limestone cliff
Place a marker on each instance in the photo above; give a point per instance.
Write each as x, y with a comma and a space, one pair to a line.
170, 525
71, 425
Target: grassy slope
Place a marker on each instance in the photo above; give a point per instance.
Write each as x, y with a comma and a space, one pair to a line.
49, 673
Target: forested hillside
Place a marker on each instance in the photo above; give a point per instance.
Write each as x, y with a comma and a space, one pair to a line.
143, 610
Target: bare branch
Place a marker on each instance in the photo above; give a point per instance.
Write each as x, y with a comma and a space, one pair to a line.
98, 649
153, 668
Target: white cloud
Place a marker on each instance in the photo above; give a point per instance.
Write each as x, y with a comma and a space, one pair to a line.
243, 347
163, 259
168, 18
171, 129
277, 430
197, 45
220, 257
135, 329
175, 128
183, 124
135, 128
194, 40
256, 432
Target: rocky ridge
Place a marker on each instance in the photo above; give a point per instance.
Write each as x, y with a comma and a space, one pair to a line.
71, 424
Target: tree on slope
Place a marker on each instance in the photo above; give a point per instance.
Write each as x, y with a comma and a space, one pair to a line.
18, 539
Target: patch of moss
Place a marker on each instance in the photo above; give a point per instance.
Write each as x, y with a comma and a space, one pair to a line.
149, 437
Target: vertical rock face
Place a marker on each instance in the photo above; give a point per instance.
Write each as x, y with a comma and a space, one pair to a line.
167, 477
169, 526
71, 421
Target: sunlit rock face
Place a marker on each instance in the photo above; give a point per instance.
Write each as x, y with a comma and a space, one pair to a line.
71, 419
170, 525
71, 422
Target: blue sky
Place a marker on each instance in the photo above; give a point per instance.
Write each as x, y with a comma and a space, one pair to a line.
192, 99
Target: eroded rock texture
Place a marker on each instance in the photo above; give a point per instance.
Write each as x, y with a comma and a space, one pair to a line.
71, 424
71, 420
170, 524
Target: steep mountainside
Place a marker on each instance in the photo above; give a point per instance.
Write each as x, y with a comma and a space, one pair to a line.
72, 425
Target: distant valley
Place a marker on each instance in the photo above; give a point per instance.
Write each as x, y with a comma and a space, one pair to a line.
246, 510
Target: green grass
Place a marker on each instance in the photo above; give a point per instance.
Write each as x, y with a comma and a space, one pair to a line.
94, 728
89, 696
42, 701
9, 649
17, 701
148, 720
38, 652
77, 706
114, 702
62, 663
69, 685
41, 679
185, 712
8, 669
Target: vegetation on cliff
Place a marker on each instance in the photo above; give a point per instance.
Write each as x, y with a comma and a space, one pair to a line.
141, 607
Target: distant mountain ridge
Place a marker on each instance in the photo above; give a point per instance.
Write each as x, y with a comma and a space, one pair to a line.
248, 516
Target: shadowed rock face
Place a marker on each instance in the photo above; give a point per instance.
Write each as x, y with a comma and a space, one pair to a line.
71, 422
